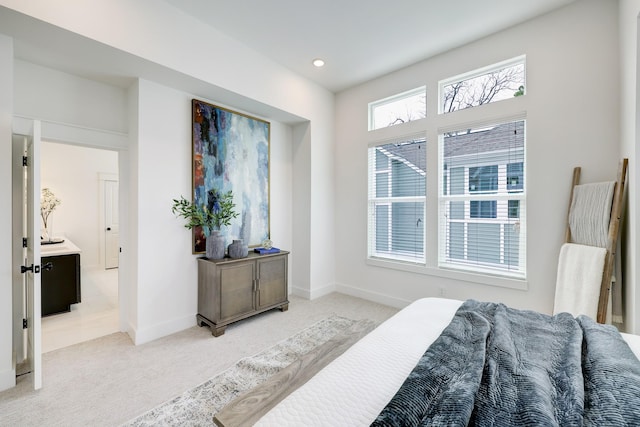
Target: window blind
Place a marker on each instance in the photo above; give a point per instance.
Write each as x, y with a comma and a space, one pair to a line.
397, 194
482, 209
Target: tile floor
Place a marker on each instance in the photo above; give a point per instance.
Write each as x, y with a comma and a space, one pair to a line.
95, 316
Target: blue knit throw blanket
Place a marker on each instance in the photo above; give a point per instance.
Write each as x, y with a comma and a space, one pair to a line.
498, 366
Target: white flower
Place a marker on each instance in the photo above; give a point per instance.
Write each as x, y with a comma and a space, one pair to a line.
48, 203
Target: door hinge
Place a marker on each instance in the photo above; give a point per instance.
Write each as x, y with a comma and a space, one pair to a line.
24, 324
24, 242
32, 268
25, 161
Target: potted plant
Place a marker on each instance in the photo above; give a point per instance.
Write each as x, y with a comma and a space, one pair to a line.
218, 212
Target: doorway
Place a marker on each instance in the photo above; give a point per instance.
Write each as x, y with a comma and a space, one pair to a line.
85, 180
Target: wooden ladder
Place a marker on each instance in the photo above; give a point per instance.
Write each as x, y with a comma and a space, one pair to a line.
612, 239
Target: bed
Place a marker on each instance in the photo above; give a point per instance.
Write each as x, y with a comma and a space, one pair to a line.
374, 380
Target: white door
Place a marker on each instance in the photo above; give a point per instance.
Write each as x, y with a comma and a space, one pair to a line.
29, 268
18, 254
112, 245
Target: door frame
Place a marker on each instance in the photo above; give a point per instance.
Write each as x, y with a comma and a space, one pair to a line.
103, 139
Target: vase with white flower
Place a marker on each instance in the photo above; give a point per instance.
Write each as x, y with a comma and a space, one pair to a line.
218, 212
48, 203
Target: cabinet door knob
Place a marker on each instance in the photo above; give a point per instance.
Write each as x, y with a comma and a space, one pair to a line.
108, 228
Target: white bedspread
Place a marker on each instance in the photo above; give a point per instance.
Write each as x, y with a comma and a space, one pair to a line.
354, 388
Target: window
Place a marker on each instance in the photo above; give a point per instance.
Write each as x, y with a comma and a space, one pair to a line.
481, 207
466, 213
398, 109
495, 83
483, 179
397, 194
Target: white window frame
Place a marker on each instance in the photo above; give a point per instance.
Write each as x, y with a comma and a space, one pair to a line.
391, 99
499, 196
430, 128
374, 202
519, 60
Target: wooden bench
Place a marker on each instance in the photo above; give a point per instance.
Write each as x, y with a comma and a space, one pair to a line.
248, 408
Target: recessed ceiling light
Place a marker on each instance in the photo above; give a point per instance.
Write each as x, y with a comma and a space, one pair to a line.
318, 62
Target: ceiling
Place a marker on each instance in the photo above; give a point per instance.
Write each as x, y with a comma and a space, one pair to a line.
358, 44
359, 40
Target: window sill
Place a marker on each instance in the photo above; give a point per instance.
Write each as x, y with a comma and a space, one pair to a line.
465, 276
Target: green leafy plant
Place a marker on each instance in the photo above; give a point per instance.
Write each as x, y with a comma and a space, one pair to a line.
218, 211
520, 91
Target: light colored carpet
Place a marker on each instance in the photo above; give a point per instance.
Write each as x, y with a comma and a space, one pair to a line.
197, 406
109, 381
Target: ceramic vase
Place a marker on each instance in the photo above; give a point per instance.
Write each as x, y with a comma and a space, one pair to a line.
215, 245
238, 249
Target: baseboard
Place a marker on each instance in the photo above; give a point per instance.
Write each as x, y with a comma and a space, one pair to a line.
316, 293
325, 290
372, 296
7, 379
141, 336
299, 292
130, 330
352, 291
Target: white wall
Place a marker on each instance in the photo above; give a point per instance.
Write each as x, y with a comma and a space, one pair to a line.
167, 280
572, 119
568, 53
167, 273
629, 125
73, 174
56, 96
128, 266
7, 370
155, 39
302, 210
161, 291
166, 37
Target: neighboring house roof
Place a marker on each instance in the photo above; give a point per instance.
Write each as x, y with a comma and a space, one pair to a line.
508, 136
413, 153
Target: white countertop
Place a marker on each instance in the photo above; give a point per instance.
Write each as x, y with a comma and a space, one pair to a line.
65, 248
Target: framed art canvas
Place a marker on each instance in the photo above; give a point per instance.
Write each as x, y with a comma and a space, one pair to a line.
231, 152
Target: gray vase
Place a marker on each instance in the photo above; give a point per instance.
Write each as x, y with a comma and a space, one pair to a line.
238, 249
215, 245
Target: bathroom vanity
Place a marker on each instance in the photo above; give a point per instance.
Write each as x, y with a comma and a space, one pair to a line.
60, 277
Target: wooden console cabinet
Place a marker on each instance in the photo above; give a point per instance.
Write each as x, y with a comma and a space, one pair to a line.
233, 289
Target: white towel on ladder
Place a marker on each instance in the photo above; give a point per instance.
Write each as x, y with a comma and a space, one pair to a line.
580, 269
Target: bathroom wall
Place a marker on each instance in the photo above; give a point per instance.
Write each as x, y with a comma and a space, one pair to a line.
73, 174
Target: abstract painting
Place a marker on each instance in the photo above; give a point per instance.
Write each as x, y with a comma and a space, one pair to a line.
231, 152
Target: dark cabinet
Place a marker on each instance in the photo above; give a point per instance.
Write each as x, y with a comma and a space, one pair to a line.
60, 283
233, 289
